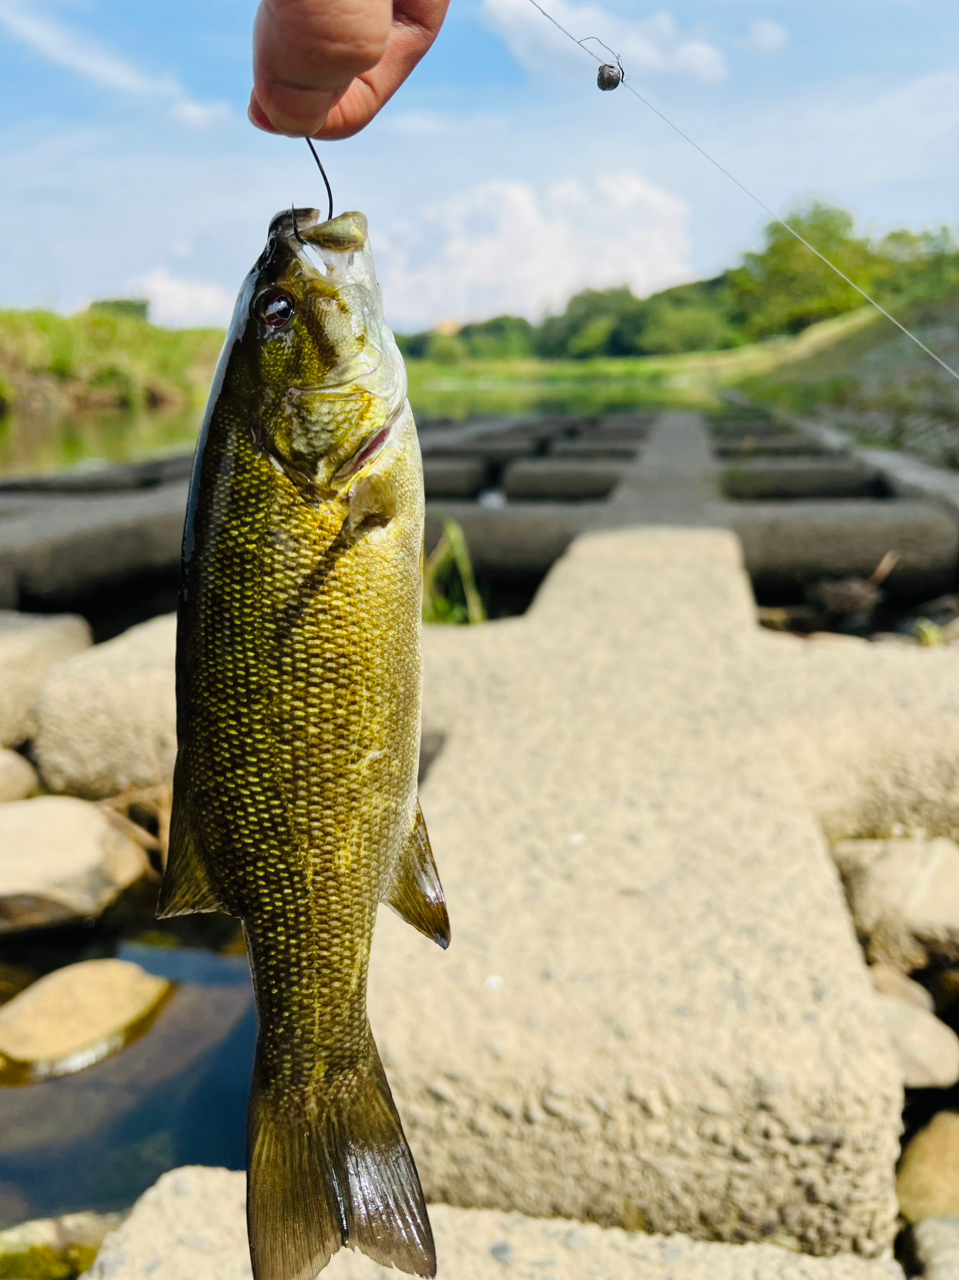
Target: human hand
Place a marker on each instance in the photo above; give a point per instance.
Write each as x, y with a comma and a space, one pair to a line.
324, 68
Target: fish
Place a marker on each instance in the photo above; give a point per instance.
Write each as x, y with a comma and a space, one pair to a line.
298, 682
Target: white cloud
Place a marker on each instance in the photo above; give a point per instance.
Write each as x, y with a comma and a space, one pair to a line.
182, 303
501, 246
653, 44
77, 52
766, 36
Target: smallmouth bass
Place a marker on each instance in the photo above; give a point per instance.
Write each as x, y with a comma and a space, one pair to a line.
298, 706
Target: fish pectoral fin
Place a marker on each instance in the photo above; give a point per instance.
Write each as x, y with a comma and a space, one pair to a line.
416, 893
338, 1173
187, 887
373, 503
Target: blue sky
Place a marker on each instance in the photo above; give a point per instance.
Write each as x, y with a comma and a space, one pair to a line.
499, 178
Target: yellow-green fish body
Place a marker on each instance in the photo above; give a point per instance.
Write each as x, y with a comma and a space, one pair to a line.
298, 700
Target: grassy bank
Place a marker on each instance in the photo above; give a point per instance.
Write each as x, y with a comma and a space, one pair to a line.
96, 360
873, 382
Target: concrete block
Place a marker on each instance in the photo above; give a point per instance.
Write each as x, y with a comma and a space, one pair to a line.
519, 538
60, 547
453, 477
191, 1226
787, 545
654, 1010
753, 480
564, 479
590, 447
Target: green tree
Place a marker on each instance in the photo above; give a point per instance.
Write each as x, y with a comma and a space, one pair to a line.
785, 288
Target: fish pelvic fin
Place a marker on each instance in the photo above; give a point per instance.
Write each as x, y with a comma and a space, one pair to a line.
416, 894
338, 1174
187, 886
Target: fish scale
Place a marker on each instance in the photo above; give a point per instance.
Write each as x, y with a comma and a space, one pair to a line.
298, 697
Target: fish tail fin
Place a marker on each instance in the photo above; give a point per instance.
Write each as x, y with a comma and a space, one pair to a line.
340, 1173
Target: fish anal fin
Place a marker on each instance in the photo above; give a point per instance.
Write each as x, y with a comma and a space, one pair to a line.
337, 1173
416, 893
187, 887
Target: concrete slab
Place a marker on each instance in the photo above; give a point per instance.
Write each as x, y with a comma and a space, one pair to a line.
191, 1226
755, 479
654, 1011
561, 478
789, 544
453, 477
58, 547
870, 730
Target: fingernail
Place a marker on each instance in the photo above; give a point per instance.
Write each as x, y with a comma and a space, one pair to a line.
257, 116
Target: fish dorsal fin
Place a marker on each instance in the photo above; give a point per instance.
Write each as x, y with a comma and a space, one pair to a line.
187, 886
416, 893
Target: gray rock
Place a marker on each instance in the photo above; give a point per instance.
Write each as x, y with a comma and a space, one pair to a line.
936, 1245
107, 718
927, 1050
890, 982
927, 1183
903, 893
191, 1226
60, 858
77, 1015
18, 778
30, 645
654, 1009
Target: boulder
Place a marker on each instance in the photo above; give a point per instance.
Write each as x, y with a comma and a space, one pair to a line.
890, 982
192, 1226
654, 1011
76, 1016
935, 1243
107, 718
928, 1180
18, 778
30, 645
904, 897
61, 858
927, 1050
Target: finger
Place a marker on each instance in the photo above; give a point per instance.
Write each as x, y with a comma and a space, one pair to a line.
416, 25
306, 53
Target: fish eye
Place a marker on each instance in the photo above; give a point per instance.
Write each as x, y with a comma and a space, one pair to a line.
276, 308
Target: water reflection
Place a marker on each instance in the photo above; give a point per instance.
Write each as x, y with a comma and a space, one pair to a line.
45, 444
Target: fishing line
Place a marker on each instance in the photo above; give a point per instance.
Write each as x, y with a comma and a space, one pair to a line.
326, 181
581, 44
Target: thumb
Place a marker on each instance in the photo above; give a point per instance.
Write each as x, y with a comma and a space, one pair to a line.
306, 53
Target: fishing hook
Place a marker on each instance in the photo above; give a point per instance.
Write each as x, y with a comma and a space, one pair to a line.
326, 181
296, 230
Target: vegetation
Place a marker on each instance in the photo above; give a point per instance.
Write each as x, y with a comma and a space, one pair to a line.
449, 588
106, 357
778, 291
